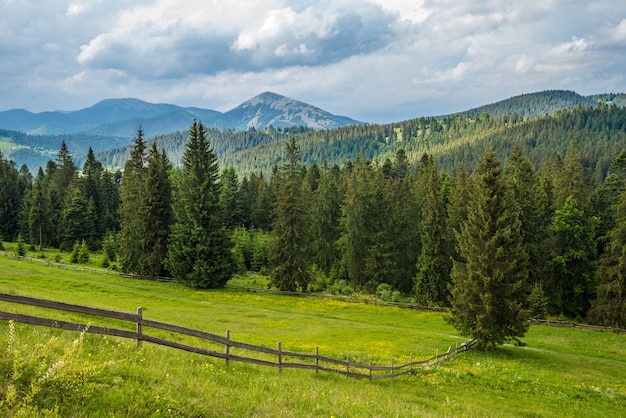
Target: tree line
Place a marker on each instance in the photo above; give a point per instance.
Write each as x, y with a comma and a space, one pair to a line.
496, 244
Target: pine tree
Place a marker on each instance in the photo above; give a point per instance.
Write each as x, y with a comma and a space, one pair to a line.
11, 196
199, 252
489, 279
158, 213
522, 180
39, 217
609, 307
433, 265
110, 201
90, 183
356, 225
290, 255
77, 221
230, 199
572, 266
132, 209
326, 216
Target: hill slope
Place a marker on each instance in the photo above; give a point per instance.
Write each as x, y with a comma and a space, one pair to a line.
562, 371
531, 105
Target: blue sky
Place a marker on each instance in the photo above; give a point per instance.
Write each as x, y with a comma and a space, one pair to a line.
373, 60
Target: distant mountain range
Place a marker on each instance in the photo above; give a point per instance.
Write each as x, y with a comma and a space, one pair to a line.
122, 117
109, 126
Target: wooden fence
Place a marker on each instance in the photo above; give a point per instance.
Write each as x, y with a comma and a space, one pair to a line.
577, 325
278, 357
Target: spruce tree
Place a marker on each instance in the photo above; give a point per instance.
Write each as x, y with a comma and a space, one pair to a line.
199, 252
39, 217
433, 263
158, 213
572, 266
521, 178
132, 209
489, 278
230, 199
291, 253
609, 307
326, 215
77, 221
357, 228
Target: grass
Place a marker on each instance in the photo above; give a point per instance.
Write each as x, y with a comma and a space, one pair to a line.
561, 372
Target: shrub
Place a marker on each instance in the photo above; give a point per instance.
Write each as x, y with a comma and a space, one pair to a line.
74, 254
383, 292
21, 246
340, 287
83, 253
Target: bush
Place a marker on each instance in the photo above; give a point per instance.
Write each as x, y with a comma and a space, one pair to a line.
21, 246
340, 287
383, 292
74, 254
83, 253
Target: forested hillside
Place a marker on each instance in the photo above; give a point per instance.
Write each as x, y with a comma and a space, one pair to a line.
600, 132
532, 105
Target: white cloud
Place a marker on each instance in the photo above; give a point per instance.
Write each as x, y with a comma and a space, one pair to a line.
377, 60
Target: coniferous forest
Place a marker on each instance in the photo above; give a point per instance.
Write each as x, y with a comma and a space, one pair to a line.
498, 219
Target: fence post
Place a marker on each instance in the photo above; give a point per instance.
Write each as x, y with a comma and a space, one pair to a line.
436, 357
317, 359
411, 362
370, 369
448, 353
280, 359
227, 345
139, 326
347, 366
391, 365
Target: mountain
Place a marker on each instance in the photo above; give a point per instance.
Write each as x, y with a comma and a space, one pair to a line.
122, 117
273, 109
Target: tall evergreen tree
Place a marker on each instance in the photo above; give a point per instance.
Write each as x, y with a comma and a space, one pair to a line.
39, 217
570, 179
77, 221
609, 307
90, 183
132, 209
572, 265
356, 224
230, 199
199, 252
523, 181
158, 213
12, 192
290, 255
489, 279
433, 264
326, 216
110, 200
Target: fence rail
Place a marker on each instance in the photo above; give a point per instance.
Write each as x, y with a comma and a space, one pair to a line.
279, 358
577, 325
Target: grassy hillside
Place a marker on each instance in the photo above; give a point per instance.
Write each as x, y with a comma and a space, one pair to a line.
562, 372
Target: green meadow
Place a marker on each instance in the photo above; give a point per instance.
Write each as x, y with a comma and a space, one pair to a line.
49, 372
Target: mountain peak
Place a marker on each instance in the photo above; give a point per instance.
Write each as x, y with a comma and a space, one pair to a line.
280, 111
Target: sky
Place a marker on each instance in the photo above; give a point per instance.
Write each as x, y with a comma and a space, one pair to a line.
376, 61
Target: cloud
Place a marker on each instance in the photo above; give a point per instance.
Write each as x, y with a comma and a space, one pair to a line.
165, 40
375, 60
